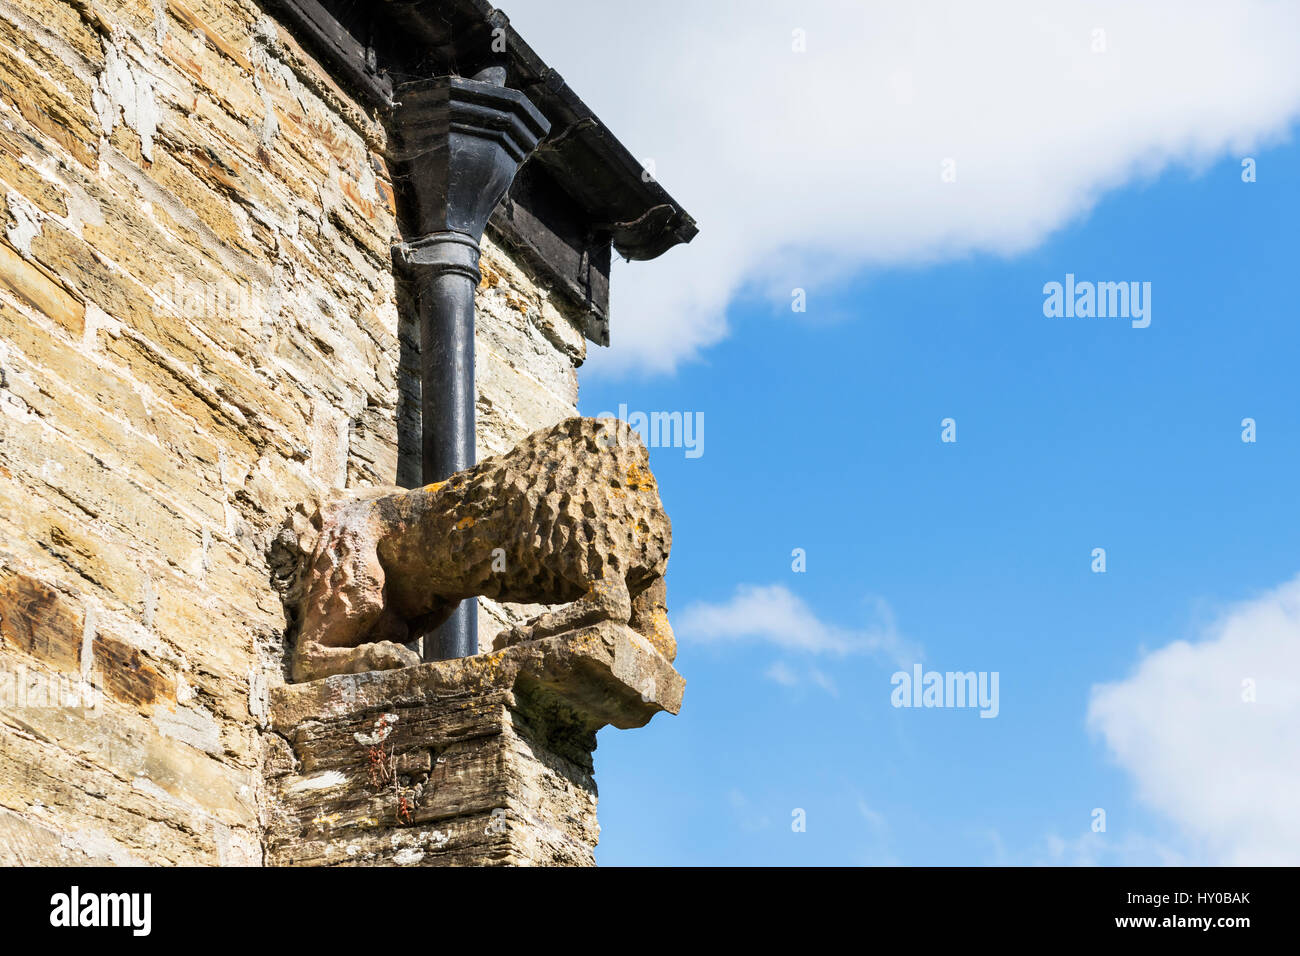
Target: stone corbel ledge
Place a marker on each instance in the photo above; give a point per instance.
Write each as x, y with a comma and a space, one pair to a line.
477, 761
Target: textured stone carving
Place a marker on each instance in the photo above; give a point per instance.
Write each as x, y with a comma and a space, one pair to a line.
570, 516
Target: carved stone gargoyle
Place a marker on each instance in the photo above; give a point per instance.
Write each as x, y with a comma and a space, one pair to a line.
571, 515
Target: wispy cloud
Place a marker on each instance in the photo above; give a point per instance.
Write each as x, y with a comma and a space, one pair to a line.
1210, 731
774, 615
823, 680
786, 675
747, 816
873, 817
782, 673
1105, 849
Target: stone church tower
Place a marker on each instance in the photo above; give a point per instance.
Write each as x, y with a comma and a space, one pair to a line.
257, 255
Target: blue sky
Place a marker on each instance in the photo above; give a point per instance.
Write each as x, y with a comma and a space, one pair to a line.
921, 170
822, 432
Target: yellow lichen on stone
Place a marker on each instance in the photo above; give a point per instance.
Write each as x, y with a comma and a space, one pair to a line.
661, 635
639, 479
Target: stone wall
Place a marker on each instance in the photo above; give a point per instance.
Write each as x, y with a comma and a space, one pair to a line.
198, 329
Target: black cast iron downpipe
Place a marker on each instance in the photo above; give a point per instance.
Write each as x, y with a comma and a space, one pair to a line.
457, 145
448, 266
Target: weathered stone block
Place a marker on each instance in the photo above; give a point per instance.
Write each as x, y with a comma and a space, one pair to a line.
478, 761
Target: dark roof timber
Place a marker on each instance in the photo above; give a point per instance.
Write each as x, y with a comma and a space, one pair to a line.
580, 194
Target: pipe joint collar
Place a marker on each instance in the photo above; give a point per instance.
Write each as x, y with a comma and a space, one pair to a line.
441, 252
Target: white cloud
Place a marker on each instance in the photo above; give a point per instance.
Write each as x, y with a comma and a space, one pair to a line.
873, 817
823, 680
1087, 848
746, 814
1225, 770
773, 615
804, 167
1105, 849
781, 673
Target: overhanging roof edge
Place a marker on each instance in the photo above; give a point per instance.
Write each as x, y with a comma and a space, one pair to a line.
581, 153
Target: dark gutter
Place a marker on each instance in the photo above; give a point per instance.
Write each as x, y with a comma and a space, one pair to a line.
580, 194
644, 221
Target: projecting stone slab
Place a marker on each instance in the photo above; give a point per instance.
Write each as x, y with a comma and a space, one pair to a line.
477, 761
